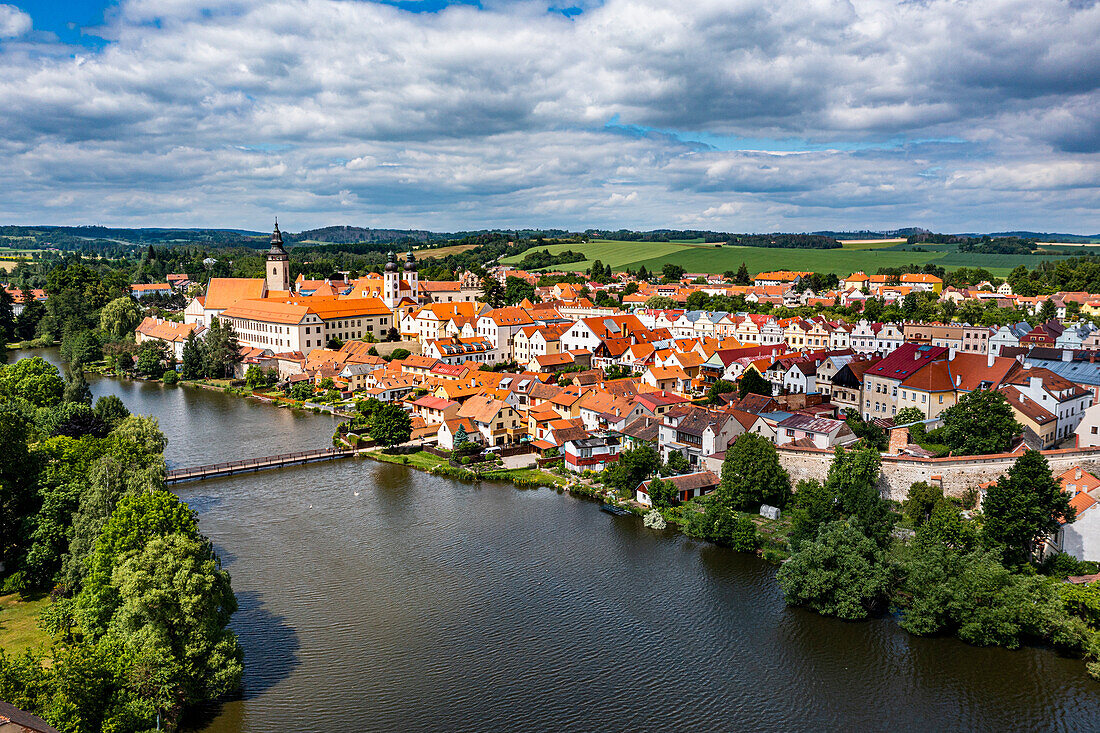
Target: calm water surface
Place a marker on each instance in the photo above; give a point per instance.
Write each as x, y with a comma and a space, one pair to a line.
374, 597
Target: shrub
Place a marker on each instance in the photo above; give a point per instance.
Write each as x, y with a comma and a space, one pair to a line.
171, 378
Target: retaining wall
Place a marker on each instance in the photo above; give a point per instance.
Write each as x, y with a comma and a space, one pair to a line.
956, 475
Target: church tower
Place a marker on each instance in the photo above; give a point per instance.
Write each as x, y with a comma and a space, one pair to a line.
278, 263
411, 276
391, 283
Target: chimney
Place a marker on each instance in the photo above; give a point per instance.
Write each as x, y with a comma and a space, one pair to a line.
899, 438
1035, 382
989, 359
1067, 355
958, 379
1077, 473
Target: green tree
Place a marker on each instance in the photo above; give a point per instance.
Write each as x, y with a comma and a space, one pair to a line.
908, 415
151, 357
18, 485
973, 595
742, 277
301, 391
676, 465
81, 347
946, 526
751, 475
254, 377
76, 388
752, 382
136, 521
119, 318
698, 300
812, 507
671, 273
981, 422
1048, 311
390, 425
108, 481
111, 410
660, 302
34, 379
853, 480
7, 317
192, 367
719, 387
27, 322
516, 290
221, 350
663, 493
492, 292
174, 598
841, 573
721, 525
461, 437
1024, 507
633, 467
920, 501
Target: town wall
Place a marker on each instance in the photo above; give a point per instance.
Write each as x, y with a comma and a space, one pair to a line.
956, 474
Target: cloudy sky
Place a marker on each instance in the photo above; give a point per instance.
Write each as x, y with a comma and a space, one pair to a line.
770, 115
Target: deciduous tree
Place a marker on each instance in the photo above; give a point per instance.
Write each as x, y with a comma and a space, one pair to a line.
390, 425
841, 573
1025, 506
980, 422
751, 475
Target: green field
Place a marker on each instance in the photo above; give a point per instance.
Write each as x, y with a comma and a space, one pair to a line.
695, 257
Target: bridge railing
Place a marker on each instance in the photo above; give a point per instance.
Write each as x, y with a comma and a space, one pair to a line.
255, 462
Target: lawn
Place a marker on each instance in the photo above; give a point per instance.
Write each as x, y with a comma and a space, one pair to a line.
454, 249
869, 243
19, 623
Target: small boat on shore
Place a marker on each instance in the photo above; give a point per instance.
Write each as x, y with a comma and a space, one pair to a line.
616, 510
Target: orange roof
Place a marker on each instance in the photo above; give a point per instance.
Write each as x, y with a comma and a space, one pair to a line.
934, 377
222, 292
268, 311
1085, 482
1081, 502
328, 308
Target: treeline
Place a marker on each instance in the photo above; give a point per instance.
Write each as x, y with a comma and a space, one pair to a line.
543, 258
1075, 274
139, 604
785, 241
986, 244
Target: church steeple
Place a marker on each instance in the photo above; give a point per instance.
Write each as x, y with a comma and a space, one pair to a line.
278, 262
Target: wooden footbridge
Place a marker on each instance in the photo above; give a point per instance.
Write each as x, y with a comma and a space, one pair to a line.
229, 468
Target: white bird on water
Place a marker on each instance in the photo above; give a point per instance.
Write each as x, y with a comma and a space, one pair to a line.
357, 493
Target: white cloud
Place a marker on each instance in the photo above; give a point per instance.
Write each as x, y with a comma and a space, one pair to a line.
484, 117
13, 22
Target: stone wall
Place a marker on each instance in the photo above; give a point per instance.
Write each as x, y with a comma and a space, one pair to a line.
956, 475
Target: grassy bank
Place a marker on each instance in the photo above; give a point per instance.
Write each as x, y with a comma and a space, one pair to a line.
19, 629
424, 461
